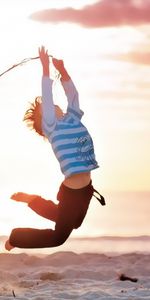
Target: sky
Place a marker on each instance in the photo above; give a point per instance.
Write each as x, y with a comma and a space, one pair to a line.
106, 49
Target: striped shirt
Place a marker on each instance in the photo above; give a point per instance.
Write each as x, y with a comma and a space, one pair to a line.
69, 138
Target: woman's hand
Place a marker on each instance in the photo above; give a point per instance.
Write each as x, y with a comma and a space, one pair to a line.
44, 58
59, 65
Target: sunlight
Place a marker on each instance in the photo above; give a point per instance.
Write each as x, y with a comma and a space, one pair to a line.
114, 94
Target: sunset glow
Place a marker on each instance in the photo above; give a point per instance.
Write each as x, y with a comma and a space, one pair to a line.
108, 59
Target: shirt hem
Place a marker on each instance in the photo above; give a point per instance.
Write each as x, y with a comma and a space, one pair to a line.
79, 172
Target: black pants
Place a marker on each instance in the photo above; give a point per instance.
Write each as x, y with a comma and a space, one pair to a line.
68, 214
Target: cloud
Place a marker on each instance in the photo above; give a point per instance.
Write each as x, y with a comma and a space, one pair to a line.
103, 13
141, 58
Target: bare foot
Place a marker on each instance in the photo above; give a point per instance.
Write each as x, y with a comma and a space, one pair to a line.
23, 197
8, 246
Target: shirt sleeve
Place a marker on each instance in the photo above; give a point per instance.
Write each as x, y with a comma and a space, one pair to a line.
72, 98
48, 108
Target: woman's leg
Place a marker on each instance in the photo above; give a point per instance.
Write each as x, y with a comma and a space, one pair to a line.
42, 238
37, 238
44, 208
71, 211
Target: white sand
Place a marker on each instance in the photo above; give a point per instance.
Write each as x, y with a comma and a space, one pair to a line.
67, 275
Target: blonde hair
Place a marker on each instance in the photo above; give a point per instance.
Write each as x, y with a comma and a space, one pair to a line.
32, 117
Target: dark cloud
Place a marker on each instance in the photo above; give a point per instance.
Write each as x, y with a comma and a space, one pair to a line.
100, 14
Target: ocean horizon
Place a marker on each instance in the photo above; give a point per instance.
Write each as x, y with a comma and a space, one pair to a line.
113, 245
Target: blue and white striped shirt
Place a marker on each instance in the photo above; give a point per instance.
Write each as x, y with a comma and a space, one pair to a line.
70, 140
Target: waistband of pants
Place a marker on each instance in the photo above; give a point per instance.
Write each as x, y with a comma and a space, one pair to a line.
88, 188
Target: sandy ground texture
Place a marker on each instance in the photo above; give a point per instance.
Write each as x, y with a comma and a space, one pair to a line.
67, 275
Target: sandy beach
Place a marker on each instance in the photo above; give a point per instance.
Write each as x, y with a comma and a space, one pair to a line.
71, 275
